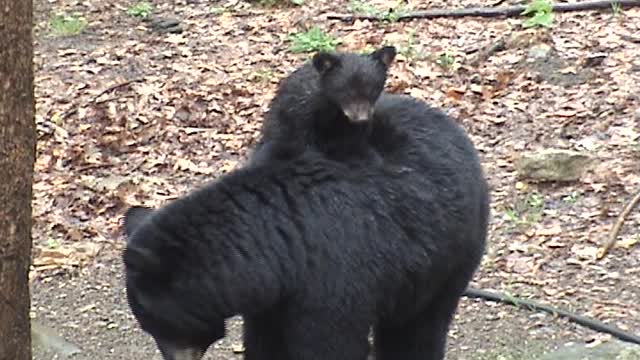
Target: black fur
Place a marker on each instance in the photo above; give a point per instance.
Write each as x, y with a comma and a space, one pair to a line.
327, 104
313, 252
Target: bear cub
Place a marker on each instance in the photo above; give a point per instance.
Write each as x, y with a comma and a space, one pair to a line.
327, 104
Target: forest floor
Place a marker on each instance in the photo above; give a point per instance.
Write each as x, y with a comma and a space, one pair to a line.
130, 113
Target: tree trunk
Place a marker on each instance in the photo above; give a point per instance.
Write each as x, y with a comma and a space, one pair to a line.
17, 156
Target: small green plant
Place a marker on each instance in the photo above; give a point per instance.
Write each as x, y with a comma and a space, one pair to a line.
411, 50
395, 13
360, 7
392, 14
616, 8
526, 210
312, 40
263, 75
142, 9
540, 12
67, 25
536, 201
571, 198
511, 215
217, 10
52, 243
446, 60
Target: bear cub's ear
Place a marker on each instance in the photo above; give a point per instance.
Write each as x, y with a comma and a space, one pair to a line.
385, 55
133, 217
324, 61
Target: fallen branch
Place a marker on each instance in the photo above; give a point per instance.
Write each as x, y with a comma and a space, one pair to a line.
506, 11
615, 230
95, 98
592, 324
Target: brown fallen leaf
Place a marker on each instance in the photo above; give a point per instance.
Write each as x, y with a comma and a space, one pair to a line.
185, 164
419, 93
584, 252
555, 229
456, 93
555, 244
629, 242
565, 113
228, 165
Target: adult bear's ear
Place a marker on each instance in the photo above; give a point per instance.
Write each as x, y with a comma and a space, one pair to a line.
324, 61
139, 258
385, 55
133, 217
137, 255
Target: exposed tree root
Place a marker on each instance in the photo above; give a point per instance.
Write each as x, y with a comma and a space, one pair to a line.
507, 11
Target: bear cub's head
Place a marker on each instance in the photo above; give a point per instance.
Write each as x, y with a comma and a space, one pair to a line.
354, 81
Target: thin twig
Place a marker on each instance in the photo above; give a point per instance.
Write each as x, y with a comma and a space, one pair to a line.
109, 99
95, 98
615, 230
506, 11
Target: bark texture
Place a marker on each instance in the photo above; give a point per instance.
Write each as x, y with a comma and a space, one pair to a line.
17, 155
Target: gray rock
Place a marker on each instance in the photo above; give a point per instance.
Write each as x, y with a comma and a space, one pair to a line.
50, 342
553, 165
165, 25
539, 52
612, 350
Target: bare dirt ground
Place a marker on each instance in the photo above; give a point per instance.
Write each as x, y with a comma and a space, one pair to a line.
129, 115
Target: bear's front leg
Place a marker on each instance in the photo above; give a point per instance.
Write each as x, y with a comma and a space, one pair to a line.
323, 335
263, 338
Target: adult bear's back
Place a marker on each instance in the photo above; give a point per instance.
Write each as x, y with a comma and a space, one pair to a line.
436, 186
429, 146
408, 130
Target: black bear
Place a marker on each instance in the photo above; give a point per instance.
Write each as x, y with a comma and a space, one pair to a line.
312, 252
327, 104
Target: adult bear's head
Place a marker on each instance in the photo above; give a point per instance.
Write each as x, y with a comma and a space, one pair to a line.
164, 286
